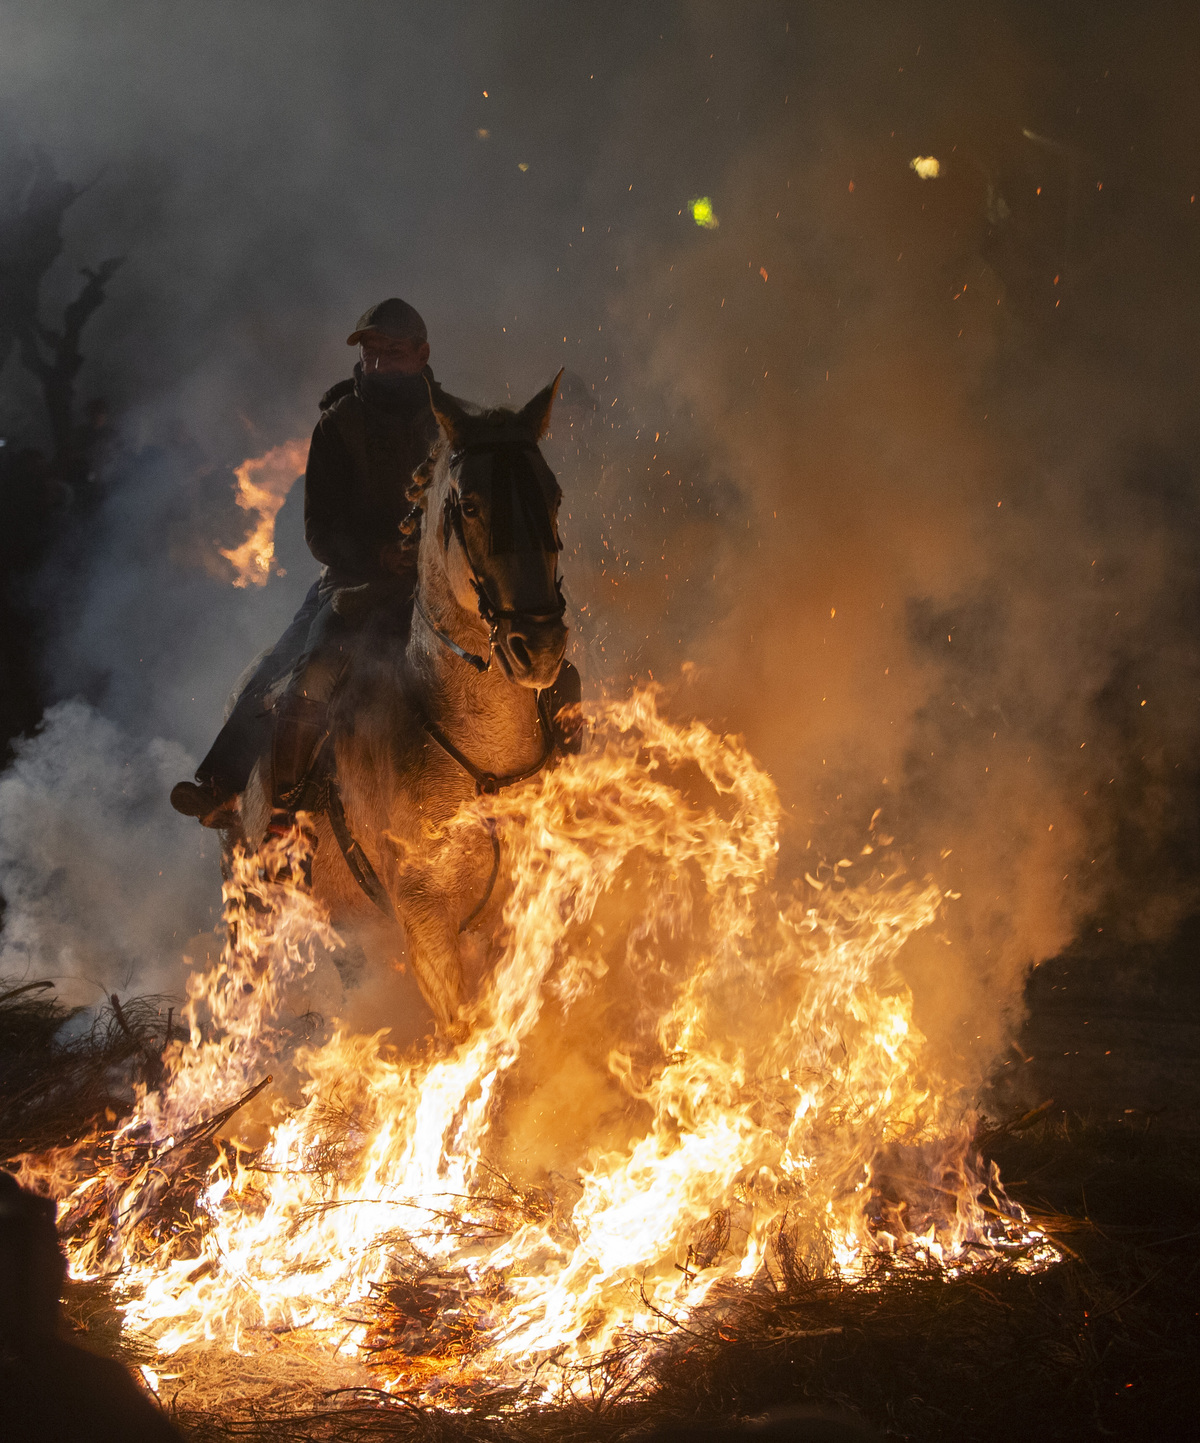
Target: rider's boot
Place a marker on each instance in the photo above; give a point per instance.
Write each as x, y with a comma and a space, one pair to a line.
206, 800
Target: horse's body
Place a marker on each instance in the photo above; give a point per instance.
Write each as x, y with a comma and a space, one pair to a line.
405, 684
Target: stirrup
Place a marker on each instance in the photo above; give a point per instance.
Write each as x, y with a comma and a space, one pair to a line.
301, 731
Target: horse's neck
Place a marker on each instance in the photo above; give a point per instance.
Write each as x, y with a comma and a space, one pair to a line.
490, 719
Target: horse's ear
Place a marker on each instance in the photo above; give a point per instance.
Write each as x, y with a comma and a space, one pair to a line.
536, 413
450, 415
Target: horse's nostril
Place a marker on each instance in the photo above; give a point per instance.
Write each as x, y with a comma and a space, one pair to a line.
520, 653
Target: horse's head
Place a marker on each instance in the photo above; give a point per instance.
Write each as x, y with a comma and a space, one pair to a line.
490, 526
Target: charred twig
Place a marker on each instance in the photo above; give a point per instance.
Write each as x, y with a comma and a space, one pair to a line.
28, 987
1017, 1124
204, 1130
152, 1060
659, 1313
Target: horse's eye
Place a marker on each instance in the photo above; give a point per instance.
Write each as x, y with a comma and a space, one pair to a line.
470, 508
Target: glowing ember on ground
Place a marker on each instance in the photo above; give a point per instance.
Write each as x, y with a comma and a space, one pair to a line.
263, 483
677, 1081
928, 167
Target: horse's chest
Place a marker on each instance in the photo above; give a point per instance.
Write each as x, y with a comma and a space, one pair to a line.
443, 835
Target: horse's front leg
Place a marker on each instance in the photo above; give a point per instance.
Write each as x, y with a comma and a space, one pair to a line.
432, 937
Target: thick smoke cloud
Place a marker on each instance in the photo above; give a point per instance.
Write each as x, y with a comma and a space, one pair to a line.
898, 471
97, 885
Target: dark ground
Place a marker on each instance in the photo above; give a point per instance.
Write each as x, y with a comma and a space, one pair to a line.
1113, 1033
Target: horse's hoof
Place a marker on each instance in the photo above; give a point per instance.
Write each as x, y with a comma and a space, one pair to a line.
454, 1033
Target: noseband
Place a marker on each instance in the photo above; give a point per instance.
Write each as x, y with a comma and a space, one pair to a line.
452, 522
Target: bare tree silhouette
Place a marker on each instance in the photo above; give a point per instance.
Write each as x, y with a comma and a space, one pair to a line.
33, 204
43, 491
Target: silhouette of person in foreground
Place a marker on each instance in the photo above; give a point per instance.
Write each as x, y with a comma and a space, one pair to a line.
51, 1391
783, 1425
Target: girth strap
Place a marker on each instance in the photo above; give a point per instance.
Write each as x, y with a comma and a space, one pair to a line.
491, 886
356, 859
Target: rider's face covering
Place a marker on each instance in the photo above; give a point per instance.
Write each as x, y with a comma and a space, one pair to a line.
398, 390
388, 356
392, 369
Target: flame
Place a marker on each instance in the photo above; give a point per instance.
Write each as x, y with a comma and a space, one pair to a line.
769, 1101
263, 483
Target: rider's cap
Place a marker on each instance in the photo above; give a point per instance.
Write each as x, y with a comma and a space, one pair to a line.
395, 318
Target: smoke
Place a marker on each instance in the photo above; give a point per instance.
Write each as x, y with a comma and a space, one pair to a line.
892, 474
102, 891
964, 572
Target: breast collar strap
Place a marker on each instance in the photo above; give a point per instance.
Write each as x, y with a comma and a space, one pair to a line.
487, 784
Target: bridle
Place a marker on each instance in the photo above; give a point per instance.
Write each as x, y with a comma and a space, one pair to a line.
452, 524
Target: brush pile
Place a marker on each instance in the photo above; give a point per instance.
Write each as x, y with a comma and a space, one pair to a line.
1102, 1343
66, 1072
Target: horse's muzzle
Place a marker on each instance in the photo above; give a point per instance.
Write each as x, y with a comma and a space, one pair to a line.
531, 652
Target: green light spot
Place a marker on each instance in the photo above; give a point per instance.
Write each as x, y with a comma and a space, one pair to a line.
703, 213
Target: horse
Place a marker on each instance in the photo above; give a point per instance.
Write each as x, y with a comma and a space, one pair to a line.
443, 702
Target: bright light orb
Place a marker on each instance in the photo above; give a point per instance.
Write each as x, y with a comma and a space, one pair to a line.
703, 214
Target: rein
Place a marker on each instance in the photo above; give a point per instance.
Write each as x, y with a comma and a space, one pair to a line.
452, 522
468, 656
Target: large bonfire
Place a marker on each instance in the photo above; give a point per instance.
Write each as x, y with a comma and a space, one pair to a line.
746, 1092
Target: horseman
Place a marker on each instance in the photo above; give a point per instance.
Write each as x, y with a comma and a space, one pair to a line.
376, 428
412, 689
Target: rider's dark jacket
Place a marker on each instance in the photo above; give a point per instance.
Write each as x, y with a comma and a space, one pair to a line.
371, 437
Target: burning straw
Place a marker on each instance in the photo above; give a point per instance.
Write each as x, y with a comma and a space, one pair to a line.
763, 1110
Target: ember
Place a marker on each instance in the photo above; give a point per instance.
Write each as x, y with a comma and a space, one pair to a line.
763, 1101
